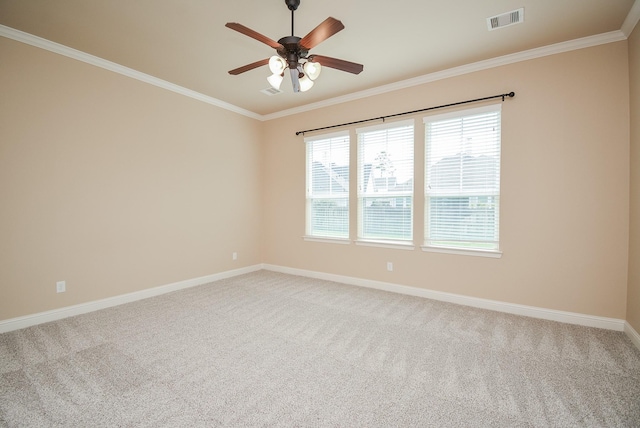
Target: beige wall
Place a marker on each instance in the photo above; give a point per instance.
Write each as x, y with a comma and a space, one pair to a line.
115, 185
564, 196
633, 296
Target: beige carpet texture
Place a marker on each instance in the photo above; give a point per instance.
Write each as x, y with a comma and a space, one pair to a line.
269, 349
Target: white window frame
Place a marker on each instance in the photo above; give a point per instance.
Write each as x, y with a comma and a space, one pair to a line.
383, 241
311, 235
465, 247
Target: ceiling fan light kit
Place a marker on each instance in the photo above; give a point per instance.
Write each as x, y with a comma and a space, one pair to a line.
275, 80
312, 69
293, 53
305, 82
277, 64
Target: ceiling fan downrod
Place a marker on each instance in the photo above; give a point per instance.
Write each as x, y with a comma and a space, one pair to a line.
293, 6
291, 52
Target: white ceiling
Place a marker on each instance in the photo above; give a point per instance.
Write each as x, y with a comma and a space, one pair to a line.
186, 43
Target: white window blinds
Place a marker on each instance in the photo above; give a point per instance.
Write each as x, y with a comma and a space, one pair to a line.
327, 211
385, 182
462, 179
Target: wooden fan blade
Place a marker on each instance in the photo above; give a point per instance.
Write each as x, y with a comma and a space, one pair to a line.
322, 32
253, 34
248, 67
339, 64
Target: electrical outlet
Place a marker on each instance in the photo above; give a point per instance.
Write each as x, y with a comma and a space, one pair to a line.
390, 266
61, 286
234, 256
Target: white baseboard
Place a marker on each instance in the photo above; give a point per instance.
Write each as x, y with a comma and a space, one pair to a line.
529, 311
83, 308
510, 308
632, 334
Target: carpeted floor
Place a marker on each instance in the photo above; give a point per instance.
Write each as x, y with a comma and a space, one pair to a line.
268, 349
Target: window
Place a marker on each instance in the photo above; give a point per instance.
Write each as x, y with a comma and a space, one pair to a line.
385, 182
462, 179
328, 186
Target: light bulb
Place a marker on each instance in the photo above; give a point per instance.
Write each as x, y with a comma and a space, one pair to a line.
305, 83
275, 80
277, 64
312, 69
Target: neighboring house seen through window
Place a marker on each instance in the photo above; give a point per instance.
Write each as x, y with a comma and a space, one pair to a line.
328, 186
462, 179
385, 182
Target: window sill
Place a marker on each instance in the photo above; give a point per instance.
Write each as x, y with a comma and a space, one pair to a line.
327, 240
477, 253
387, 244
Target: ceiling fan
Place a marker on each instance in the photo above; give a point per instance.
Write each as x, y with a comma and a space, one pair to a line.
291, 50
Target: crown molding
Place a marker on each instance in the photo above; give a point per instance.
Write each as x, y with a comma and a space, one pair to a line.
39, 42
585, 42
632, 19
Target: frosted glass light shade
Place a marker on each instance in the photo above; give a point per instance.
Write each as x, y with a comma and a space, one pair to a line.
275, 80
305, 83
312, 69
277, 64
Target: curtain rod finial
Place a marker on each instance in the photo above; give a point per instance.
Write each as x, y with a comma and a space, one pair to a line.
510, 95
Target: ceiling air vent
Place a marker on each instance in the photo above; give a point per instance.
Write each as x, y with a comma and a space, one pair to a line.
506, 19
271, 91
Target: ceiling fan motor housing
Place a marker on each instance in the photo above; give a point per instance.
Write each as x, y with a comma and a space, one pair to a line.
292, 51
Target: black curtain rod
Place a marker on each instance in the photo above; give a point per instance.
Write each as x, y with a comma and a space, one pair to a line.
510, 95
